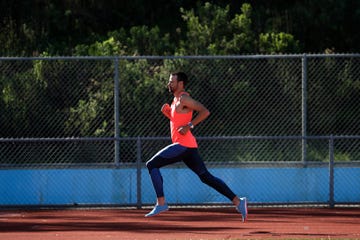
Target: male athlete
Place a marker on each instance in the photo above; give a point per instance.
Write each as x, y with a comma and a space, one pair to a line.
184, 147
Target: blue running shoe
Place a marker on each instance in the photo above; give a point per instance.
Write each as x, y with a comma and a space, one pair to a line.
157, 209
242, 208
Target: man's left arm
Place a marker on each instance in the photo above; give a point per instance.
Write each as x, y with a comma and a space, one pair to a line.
194, 105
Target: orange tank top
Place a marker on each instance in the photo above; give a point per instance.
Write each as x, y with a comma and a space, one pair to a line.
181, 119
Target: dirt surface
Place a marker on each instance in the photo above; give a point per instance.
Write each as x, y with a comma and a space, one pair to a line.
181, 223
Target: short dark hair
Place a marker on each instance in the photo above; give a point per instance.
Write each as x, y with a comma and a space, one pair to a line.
181, 76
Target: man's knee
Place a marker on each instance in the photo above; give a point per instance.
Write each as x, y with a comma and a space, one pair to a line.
153, 163
206, 177
149, 165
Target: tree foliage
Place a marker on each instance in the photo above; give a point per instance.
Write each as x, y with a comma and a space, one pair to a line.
29, 28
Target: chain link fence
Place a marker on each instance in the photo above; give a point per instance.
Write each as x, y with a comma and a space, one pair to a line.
267, 111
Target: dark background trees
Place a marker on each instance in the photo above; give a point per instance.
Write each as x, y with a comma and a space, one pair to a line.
29, 28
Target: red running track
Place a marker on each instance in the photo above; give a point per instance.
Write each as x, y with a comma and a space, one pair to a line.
180, 223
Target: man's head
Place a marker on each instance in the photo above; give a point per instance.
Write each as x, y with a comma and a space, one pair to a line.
181, 77
177, 81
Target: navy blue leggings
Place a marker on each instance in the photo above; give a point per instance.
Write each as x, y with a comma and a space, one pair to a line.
190, 156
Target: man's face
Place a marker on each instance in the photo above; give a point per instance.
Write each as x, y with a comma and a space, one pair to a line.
172, 84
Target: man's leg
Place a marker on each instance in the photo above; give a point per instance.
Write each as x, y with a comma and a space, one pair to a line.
170, 154
196, 164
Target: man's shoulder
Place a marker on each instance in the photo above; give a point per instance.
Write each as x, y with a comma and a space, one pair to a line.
184, 94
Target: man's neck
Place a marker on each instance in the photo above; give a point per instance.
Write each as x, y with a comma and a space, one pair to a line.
177, 93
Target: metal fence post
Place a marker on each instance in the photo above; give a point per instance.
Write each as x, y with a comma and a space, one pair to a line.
117, 111
304, 106
138, 173
331, 172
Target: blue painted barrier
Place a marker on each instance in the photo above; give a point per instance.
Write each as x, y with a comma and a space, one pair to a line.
119, 186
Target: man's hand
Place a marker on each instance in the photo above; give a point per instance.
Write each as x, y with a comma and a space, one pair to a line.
166, 110
183, 129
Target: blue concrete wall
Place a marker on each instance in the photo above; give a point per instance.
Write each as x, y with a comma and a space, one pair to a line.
44, 187
119, 186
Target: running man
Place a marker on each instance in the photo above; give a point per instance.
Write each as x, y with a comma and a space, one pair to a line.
184, 147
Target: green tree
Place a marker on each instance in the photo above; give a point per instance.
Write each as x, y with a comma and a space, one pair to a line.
140, 40
212, 31
278, 43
